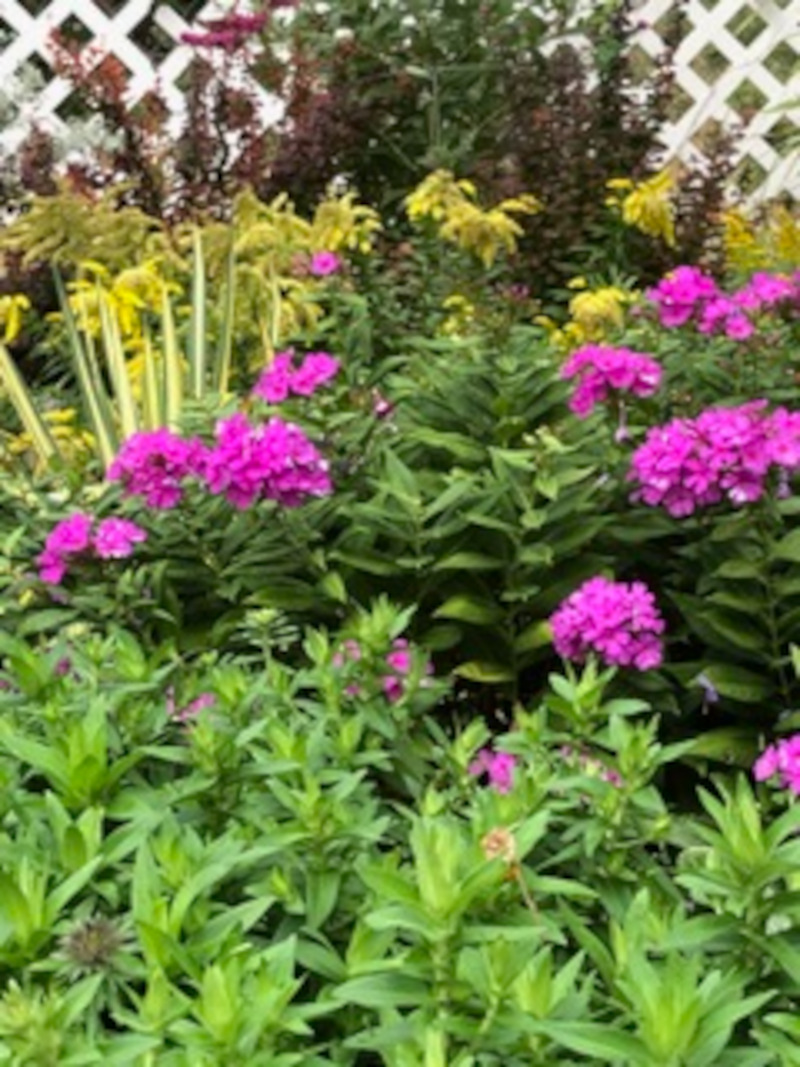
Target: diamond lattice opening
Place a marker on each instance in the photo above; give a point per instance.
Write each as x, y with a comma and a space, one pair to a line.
783, 137
708, 135
783, 63
673, 27
747, 100
111, 7
640, 64
746, 25
749, 175
7, 34
709, 63
154, 41
679, 103
187, 9
74, 107
73, 31
34, 7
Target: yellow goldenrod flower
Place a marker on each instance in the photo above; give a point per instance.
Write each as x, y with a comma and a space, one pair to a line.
649, 207
461, 315
341, 223
771, 242
452, 204
12, 312
595, 310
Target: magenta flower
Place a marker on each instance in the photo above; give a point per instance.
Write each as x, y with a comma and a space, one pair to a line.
618, 622
782, 759
282, 379
115, 538
765, 291
192, 709
399, 663
155, 465
324, 263
722, 454
73, 539
681, 294
601, 369
273, 461
498, 768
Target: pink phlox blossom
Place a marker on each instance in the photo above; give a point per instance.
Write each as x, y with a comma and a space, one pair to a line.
497, 766
399, 662
282, 379
617, 621
722, 314
271, 461
382, 408
600, 369
316, 369
765, 291
115, 538
75, 537
722, 454
155, 465
782, 759
324, 263
681, 294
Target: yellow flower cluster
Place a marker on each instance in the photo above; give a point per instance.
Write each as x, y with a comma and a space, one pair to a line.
460, 315
12, 313
452, 203
771, 242
595, 314
75, 444
127, 295
647, 205
340, 223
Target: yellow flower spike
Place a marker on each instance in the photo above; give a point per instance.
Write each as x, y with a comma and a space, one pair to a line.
620, 184
649, 207
12, 314
577, 283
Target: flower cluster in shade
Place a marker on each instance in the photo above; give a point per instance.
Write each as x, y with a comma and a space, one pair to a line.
155, 464
249, 462
283, 378
619, 622
266, 461
590, 766
498, 768
604, 369
80, 537
688, 295
396, 669
722, 454
781, 759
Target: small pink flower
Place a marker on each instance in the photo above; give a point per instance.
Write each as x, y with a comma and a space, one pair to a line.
603, 369
782, 759
324, 263
497, 766
115, 538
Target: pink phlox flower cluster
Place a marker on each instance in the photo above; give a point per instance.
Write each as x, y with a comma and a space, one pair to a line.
722, 314
617, 621
399, 663
680, 294
155, 465
324, 263
498, 768
282, 379
766, 291
783, 759
603, 368
228, 32
722, 454
271, 461
76, 537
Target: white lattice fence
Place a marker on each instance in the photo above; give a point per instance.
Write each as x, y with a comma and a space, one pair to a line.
738, 64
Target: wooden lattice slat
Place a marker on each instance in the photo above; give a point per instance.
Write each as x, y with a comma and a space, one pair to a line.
737, 64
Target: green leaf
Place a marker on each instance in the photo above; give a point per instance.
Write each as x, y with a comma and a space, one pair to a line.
536, 635
383, 990
788, 547
470, 609
484, 672
738, 683
468, 561
599, 1040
